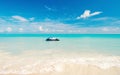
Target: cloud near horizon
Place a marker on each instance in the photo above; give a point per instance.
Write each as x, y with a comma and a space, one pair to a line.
8, 29
20, 18
54, 26
87, 13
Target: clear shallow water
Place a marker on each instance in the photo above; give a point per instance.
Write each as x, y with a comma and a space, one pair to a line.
108, 44
73, 54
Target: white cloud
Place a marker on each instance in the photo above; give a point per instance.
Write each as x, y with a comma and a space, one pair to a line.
40, 28
20, 29
109, 29
20, 18
9, 29
116, 29
105, 19
105, 29
87, 13
1, 31
52, 26
31, 19
101, 19
48, 8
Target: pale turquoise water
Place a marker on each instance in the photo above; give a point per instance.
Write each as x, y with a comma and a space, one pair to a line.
28, 53
87, 43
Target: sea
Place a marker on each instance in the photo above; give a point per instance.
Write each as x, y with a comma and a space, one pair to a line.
74, 54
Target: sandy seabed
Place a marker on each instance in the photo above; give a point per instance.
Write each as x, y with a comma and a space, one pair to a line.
75, 69
52, 63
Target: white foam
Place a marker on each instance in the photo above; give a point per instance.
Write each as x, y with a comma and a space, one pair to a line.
34, 64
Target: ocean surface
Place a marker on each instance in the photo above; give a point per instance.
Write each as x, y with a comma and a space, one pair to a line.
74, 54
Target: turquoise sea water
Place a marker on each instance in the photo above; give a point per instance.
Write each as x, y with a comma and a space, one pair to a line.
86, 43
74, 54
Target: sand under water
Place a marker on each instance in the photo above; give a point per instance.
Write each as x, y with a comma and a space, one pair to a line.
72, 55
51, 62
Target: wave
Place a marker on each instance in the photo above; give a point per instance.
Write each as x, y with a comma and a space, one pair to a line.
55, 62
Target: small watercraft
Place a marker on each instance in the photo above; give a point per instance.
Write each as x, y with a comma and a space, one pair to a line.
52, 39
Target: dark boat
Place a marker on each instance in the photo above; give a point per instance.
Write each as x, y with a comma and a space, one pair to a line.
52, 39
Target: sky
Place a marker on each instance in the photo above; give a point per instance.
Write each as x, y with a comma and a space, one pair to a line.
60, 16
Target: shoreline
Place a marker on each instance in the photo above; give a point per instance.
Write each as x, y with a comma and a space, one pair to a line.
31, 63
68, 69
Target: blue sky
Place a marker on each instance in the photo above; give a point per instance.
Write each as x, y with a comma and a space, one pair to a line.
60, 16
